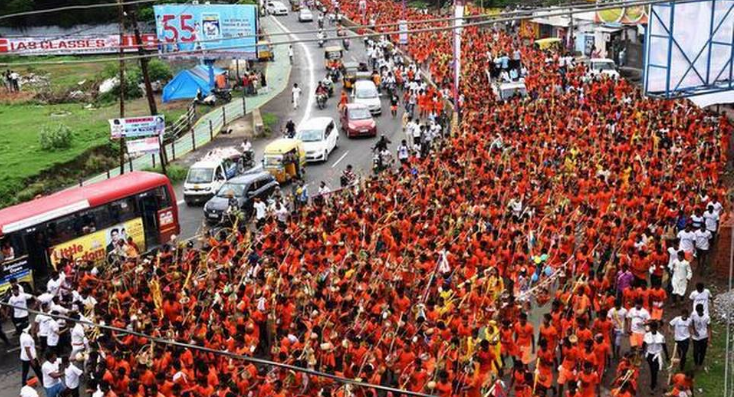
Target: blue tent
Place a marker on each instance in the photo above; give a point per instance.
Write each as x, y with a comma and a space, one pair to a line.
186, 83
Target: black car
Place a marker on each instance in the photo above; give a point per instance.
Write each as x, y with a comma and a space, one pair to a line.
244, 189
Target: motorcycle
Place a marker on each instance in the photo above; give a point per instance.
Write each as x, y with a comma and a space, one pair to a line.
328, 83
321, 42
223, 94
321, 101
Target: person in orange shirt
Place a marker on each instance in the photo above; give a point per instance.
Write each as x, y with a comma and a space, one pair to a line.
602, 351
525, 339
549, 332
567, 370
589, 381
546, 362
658, 296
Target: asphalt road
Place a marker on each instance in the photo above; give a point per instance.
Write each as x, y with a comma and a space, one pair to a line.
307, 70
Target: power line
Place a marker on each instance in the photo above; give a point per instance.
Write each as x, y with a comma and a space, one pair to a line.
69, 8
489, 21
253, 360
580, 7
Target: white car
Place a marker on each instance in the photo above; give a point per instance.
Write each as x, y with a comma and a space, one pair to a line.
276, 8
365, 93
505, 91
605, 66
319, 136
305, 15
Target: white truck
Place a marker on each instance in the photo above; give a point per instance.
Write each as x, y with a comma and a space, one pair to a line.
208, 174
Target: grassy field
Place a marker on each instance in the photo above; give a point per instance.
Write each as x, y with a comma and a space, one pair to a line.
22, 156
712, 383
61, 76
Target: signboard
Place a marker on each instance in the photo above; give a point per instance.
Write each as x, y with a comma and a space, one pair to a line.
95, 246
77, 45
18, 269
137, 127
403, 28
196, 30
143, 145
588, 44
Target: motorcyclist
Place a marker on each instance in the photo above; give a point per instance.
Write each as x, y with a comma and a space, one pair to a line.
321, 36
320, 20
382, 144
290, 128
321, 89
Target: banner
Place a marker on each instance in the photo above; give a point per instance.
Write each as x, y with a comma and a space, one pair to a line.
77, 45
207, 29
137, 127
143, 146
18, 269
95, 246
403, 28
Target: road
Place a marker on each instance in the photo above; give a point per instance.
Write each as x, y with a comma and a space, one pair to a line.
307, 70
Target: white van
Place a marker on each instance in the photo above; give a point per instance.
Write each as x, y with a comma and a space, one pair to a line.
207, 175
602, 66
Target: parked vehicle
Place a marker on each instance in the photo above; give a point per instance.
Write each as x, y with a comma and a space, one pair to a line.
242, 189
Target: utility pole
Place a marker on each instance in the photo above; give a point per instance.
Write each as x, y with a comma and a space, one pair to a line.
146, 81
121, 16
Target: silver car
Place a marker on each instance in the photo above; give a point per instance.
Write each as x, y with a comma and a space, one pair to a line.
305, 15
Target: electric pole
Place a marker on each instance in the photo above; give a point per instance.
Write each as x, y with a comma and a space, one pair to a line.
146, 81
121, 16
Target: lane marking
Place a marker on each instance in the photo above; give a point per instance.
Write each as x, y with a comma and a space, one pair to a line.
340, 159
311, 77
179, 202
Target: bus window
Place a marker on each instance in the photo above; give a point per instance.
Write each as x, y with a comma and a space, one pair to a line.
62, 229
164, 200
7, 251
122, 210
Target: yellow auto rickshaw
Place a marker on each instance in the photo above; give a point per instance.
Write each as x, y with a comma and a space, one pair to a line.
549, 43
265, 51
350, 74
295, 5
285, 159
333, 57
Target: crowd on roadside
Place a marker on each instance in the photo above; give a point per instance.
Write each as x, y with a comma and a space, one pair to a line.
583, 200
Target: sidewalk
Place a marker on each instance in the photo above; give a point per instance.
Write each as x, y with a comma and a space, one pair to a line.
210, 124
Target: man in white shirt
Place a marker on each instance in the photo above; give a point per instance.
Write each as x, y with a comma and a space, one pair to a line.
78, 338
701, 296
403, 152
638, 316
654, 345
55, 329
711, 219
261, 211
701, 335
687, 239
681, 273
681, 327
72, 376
41, 324
19, 301
28, 390
28, 356
618, 316
51, 375
703, 243
295, 96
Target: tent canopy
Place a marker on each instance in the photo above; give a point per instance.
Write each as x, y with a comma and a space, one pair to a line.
715, 98
188, 82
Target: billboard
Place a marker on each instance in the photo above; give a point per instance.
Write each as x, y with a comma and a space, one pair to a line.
76, 45
199, 30
688, 48
147, 145
137, 127
95, 246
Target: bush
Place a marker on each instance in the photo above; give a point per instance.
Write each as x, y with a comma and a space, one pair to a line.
175, 172
159, 70
132, 87
55, 137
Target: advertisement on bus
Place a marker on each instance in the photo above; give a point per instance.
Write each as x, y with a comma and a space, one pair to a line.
198, 30
15, 268
96, 246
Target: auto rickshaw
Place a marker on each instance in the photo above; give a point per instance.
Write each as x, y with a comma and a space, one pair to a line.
285, 159
333, 57
265, 51
350, 75
549, 43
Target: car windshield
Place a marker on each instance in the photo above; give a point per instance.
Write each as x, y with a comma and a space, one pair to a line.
603, 66
359, 114
272, 161
310, 135
508, 93
365, 92
200, 175
231, 189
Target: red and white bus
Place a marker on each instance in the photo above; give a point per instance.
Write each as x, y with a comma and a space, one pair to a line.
84, 223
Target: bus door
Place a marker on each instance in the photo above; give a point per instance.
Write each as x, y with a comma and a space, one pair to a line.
36, 245
149, 211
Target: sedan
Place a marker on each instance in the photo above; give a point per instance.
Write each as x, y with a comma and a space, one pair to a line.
277, 8
356, 120
319, 137
305, 15
365, 93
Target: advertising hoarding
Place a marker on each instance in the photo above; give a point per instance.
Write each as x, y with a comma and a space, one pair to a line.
95, 246
199, 30
77, 45
137, 127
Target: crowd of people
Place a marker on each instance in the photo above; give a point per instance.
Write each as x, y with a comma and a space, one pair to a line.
583, 203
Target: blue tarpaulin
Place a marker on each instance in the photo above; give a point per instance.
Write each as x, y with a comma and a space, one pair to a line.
188, 82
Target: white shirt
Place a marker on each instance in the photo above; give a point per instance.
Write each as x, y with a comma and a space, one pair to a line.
717, 208
42, 320
701, 298
617, 317
77, 335
681, 328
687, 240
296, 92
638, 318
71, 376
711, 219
27, 343
282, 213
47, 369
53, 333
260, 210
672, 256
53, 286
654, 343
703, 238
700, 325
45, 298
28, 391
21, 300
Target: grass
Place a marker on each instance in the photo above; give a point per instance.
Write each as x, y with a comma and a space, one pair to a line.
61, 76
175, 172
22, 157
270, 121
712, 383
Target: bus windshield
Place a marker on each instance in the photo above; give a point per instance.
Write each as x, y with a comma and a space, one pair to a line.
200, 175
